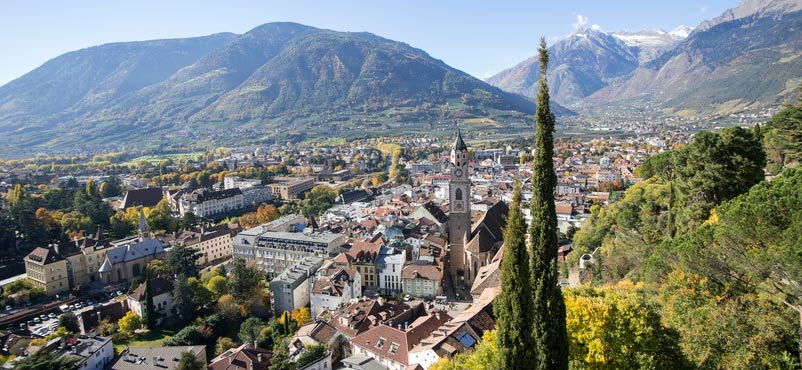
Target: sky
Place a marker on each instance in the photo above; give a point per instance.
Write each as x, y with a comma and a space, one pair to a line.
478, 37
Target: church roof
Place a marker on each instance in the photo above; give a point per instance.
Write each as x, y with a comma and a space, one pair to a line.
106, 267
459, 144
130, 252
143, 222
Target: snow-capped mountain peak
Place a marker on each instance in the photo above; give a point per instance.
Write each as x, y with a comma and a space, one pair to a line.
681, 32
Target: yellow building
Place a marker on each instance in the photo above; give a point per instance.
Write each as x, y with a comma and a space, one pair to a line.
213, 243
65, 266
47, 270
363, 257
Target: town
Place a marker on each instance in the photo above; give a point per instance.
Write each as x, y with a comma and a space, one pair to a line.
381, 255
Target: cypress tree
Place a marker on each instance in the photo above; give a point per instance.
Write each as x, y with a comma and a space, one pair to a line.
550, 338
148, 316
513, 306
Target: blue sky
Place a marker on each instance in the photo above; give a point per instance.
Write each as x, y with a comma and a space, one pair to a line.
478, 37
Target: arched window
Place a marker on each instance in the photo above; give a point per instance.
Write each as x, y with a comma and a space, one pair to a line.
458, 194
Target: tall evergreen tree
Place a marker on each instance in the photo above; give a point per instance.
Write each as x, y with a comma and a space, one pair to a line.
184, 260
513, 307
148, 316
549, 335
182, 299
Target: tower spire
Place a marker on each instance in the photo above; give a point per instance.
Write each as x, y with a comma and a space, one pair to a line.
144, 228
459, 144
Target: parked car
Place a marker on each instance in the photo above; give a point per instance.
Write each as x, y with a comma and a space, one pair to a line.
23, 325
64, 308
30, 322
90, 303
37, 320
43, 317
8, 308
78, 305
406, 298
52, 315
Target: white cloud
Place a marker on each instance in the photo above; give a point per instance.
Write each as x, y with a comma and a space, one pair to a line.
581, 22
703, 10
596, 27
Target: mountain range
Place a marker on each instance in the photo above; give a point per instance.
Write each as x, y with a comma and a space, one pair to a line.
586, 61
748, 55
276, 77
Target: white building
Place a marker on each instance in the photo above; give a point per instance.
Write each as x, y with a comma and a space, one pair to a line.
162, 291
207, 203
274, 251
93, 353
333, 287
389, 264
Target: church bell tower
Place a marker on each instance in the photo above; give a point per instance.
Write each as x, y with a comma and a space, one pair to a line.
459, 217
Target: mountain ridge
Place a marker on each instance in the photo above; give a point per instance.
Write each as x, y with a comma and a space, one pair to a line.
584, 62
275, 77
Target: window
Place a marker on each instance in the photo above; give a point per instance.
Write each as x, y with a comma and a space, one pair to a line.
458, 194
393, 347
380, 343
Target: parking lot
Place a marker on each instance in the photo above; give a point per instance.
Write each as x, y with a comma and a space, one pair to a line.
46, 323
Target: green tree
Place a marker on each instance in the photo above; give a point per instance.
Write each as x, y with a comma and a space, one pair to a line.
46, 360
782, 137
245, 280
184, 260
281, 358
513, 307
75, 222
319, 199
188, 361
201, 296
757, 240
159, 268
550, 337
249, 330
188, 221
148, 314
182, 299
90, 203
69, 321
713, 168
160, 217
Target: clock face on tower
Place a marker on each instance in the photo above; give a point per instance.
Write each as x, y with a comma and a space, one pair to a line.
458, 206
458, 172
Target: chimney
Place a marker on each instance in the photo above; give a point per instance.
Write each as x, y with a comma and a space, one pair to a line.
259, 358
437, 315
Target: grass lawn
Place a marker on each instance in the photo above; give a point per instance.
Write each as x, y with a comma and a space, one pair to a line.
153, 338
